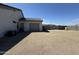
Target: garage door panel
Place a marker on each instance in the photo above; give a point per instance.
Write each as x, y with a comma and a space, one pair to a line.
34, 27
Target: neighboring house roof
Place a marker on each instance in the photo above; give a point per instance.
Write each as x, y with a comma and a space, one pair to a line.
32, 20
8, 7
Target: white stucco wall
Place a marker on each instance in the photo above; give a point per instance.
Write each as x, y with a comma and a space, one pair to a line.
6, 18
41, 26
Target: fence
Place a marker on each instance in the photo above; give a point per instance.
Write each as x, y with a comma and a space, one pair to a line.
75, 27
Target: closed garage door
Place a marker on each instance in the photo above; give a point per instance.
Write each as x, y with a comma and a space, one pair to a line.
34, 26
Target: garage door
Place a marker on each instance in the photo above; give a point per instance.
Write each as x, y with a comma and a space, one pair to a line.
34, 27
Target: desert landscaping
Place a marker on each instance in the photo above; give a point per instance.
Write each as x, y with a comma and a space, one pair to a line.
45, 43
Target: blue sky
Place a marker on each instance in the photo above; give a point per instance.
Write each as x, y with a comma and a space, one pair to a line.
60, 14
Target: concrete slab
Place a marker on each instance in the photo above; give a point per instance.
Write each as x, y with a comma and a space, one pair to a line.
55, 42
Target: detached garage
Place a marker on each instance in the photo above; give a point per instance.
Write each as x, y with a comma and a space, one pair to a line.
32, 24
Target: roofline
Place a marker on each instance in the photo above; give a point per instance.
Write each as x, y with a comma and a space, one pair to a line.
31, 20
10, 7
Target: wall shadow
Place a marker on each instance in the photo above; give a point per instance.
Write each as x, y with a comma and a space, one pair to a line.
46, 31
8, 42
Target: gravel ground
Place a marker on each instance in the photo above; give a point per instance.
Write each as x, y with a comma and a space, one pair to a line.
54, 42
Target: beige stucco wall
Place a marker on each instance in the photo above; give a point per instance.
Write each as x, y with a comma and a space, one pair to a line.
6, 18
27, 28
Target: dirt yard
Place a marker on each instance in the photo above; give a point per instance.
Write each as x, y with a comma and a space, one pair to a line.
55, 42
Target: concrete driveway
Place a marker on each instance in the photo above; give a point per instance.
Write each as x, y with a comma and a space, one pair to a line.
45, 43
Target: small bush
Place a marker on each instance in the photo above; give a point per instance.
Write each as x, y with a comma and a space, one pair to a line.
10, 33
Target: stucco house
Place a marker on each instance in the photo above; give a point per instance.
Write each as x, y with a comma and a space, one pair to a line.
12, 18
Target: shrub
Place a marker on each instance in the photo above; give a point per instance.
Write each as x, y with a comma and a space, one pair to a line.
10, 33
